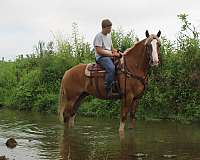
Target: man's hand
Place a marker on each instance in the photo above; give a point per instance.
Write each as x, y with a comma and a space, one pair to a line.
126, 51
116, 54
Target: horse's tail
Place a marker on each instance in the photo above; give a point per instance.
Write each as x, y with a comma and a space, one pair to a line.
62, 102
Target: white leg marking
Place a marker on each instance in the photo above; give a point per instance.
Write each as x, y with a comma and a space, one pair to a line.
121, 127
71, 121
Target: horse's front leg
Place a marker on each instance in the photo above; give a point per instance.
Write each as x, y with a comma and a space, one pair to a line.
133, 109
126, 104
123, 117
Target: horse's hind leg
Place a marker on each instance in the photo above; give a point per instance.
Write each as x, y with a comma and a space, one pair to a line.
71, 109
69, 115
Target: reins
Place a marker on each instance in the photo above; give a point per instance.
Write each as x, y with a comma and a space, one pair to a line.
129, 74
143, 80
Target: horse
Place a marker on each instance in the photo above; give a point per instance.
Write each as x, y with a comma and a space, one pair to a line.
132, 79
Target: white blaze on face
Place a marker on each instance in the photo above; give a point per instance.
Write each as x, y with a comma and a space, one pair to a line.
154, 52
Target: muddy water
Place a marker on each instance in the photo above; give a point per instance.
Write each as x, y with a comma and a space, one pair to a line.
41, 136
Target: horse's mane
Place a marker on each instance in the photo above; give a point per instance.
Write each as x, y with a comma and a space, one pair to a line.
135, 45
144, 42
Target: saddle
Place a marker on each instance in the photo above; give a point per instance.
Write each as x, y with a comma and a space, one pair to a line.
95, 70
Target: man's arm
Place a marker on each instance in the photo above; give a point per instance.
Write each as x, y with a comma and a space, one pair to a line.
104, 52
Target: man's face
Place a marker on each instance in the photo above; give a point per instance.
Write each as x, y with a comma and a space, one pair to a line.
107, 29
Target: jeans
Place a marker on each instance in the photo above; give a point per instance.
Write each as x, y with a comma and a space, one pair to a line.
107, 64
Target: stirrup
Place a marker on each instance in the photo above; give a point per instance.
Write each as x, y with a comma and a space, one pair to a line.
113, 95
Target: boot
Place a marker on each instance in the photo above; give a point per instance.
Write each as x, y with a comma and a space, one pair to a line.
110, 94
116, 92
107, 92
114, 87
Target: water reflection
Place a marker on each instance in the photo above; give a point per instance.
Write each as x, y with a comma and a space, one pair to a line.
73, 145
89, 142
80, 143
98, 139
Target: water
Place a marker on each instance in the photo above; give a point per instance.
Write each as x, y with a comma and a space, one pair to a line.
42, 137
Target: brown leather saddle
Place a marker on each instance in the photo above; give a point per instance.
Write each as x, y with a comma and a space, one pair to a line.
95, 70
94, 67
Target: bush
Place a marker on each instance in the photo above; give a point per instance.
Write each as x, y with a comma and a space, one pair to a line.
32, 82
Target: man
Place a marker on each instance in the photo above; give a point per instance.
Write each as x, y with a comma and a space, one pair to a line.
104, 52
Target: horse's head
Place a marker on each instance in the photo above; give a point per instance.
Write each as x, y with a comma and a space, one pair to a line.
152, 45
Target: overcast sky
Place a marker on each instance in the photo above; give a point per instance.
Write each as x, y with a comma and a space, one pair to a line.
24, 22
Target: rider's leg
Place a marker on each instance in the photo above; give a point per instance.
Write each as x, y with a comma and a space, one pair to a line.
108, 65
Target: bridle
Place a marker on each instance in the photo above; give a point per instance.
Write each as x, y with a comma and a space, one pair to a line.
148, 47
142, 79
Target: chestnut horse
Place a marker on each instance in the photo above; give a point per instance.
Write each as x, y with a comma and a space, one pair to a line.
132, 79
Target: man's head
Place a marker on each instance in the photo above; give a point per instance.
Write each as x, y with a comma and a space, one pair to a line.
106, 26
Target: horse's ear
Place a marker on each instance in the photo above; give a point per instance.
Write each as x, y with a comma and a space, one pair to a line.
147, 33
159, 33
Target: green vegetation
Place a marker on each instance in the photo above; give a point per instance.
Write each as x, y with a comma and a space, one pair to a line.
32, 82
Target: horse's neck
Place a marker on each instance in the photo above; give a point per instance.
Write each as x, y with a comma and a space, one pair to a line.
136, 59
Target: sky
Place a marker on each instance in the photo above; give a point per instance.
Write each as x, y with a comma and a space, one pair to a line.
25, 22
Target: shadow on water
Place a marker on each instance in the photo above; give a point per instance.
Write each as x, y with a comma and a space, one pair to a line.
42, 137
